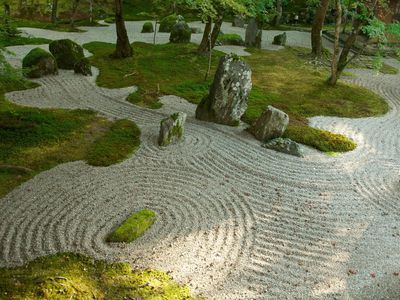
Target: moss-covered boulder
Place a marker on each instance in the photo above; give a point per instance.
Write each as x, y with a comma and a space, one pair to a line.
83, 67
172, 129
38, 63
180, 33
168, 22
148, 27
67, 53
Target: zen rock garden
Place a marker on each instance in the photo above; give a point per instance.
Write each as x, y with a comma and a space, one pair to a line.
186, 150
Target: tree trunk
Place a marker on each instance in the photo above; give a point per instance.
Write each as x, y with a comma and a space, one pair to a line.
91, 11
73, 12
278, 12
123, 48
7, 13
343, 59
336, 47
203, 47
216, 31
54, 9
316, 38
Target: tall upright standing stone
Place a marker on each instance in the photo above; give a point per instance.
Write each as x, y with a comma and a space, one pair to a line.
253, 34
227, 99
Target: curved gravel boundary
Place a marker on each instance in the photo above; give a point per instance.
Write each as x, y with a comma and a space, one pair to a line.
235, 220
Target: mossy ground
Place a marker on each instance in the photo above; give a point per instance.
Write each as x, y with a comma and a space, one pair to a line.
133, 227
40, 139
72, 276
282, 78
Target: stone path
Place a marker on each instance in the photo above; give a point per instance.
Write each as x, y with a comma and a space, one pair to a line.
235, 220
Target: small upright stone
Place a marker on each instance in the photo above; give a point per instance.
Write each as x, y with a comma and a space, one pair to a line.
172, 129
285, 146
180, 33
253, 34
280, 39
229, 92
270, 125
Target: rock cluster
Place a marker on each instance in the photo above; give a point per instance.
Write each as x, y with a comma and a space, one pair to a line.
229, 92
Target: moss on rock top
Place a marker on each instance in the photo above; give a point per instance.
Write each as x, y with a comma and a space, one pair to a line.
67, 53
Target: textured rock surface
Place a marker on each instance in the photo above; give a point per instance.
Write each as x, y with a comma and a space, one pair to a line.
38, 63
66, 52
253, 34
227, 100
285, 146
180, 33
83, 67
280, 39
171, 129
271, 124
238, 21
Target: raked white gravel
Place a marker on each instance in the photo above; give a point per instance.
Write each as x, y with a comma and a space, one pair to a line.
234, 220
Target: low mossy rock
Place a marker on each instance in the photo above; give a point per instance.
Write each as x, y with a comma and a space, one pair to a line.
180, 33
284, 145
148, 27
38, 63
172, 129
67, 53
230, 39
168, 22
83, 67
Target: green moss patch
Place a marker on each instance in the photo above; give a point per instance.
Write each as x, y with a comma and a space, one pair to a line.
282, 78
119, 142
72, 276
133, 227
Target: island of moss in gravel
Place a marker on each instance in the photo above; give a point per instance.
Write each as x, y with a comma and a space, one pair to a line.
73, 276
133, 227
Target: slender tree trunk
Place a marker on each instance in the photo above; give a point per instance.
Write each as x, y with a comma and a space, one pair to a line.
91, 11
54, 9
7, 13
216, 31
123, 48
336, 48
73, 12
349, 43
316, 37
278, 12
203, 47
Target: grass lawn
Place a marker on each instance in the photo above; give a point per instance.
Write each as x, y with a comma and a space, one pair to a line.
133, 227
72, 276
283, 79
39, 139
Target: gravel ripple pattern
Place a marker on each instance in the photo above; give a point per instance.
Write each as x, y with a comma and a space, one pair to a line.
235, 220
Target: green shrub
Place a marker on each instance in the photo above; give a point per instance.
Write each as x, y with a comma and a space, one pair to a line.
230, 39
67, 53
147, 27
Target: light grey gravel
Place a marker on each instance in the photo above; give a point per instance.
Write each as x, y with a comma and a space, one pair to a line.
235, 220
